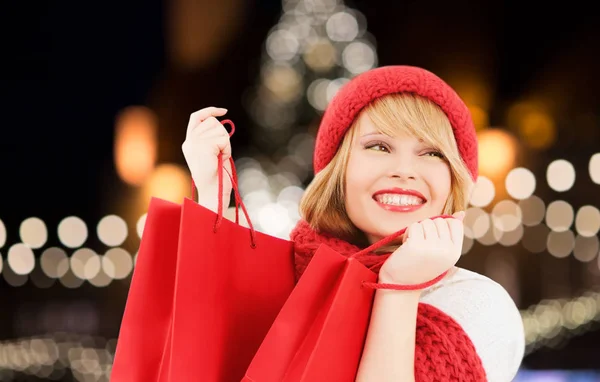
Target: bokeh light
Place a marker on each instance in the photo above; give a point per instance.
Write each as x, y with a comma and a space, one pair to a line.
483, 192
2, 234
594, 168
169, 182
497, 152
533, 209
561, 244
520, 183
139, 226
21, 259
54, 262
586, 248
112, 230
72, 232
117, 263
342, 26
33, 232
587, 221
559, 215
358, 57
560, 175
135, 147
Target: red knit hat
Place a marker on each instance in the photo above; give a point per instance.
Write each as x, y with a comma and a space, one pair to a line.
375, 83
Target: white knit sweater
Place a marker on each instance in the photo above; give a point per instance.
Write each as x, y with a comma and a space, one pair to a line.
489, 316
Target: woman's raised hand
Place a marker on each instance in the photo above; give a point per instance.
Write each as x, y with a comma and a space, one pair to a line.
430, 248
205, 139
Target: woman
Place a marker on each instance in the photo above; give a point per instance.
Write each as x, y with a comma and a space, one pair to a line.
396, 148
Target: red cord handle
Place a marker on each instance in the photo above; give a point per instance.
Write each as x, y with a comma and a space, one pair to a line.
386, 241
405, 287
238, 199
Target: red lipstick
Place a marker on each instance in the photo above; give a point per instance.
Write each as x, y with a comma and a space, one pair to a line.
400, 191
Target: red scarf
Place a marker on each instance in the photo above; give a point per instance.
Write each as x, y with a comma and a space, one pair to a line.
443, 351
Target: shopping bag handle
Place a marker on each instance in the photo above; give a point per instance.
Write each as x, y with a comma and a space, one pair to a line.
386, 241
238, 199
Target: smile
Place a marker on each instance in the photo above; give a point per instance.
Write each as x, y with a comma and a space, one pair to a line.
399, 200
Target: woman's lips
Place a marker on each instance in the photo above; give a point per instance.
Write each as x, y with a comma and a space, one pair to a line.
398, 208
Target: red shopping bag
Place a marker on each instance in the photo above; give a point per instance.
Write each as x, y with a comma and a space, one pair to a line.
320, 332
226, 285
147, 316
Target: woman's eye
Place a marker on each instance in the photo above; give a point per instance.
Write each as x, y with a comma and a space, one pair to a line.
435, 154
378, 146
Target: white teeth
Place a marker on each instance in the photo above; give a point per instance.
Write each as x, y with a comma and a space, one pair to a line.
399, 200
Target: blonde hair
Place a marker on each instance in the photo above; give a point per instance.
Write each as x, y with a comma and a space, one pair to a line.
323, 203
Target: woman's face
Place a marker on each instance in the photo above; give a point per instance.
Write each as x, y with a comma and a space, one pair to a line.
392, 182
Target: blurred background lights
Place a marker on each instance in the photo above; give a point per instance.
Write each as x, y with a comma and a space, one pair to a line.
72, 232
534, 124
359, 57
2, 234
533, 210
342, 26
320, 55
560, 244
33, 232
535, 238
560, 175
507, 215
483, 192
594, 168
559, 215
170, 182
112, 230
136, 144
139, 226
85, 263
520, 183
586, 248
20, 259
317, 94
477, 223
282, 45
283, 81
54, 262
117, 263
479, 116
587, 221
497, 152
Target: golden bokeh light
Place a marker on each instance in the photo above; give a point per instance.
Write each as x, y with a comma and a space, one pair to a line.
533, 122
170, 182
480, 117
497, 153
135, 144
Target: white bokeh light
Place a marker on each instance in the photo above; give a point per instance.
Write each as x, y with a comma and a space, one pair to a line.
483, 192
112, 230
54, 262
560, 175
274, 219
507, 215
359, 57
342, 26
594, 168
117, 263
20, 259
587, 221
72, 232
139, 226
2, 234
520, 183
33, 232
559, 215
